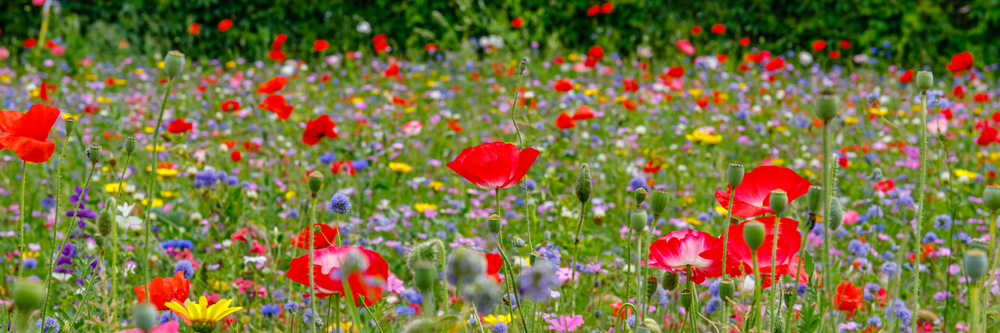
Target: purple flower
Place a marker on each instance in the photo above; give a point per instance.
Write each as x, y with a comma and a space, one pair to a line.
538, 280
79, 191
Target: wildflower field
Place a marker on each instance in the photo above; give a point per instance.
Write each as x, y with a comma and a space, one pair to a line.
497, 185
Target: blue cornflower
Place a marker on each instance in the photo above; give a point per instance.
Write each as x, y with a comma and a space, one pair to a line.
552, 255
889, 268
186, 267
51, 325
48, 202
168, 316
538, 280
293, 213
636, 183
859, 248
929, 237
713, 305
359, 164
340, 204
232, 180
291, 306
270, 309
30, 263
499, 327
327, 158
530, 185
204, 178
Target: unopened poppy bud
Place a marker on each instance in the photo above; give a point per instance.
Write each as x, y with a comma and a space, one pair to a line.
836, 213
524, 61
584, 183
826, 106
99, 240
517, 241
315, 181
788, 294
975, 264
104, 222
638, 219
493, 224
753, 234
640, 196
925, 80
130, 143
424, 276
94, 154
727, 289
173, 64
779, 201
28, 294
734, 174
670, 280
598, 314
991, 197
813, 198
686, 299
70, 124
145, 316
658, 202
650, 286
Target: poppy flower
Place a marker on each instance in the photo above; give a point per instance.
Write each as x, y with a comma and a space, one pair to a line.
906, 77
563, 85
30, 43
318, 128
739, 260
958, 91
280, 39
590, 62
393, 70
981, 97
948, 114
328, 273
696, 30
564, 121
343, 166
596, 52
775, 64
320, 45
745, 41
396, 100
225, 25
960, 62
685, 47
278, 105
494, 165
162, 291
276, 55
718, 29
273, 85
179, 126
721, 57
326, 237
845, 44
630, 85
675, 72
430, 47
236, 156
848, 298
834, 55
26, 134
987, 136
652, 166
583, 113
194, 28
885, 186
412, 128
818, 45
493, 265
380, 38
455, 126
677, 250
593, 10
752, 197
517, 23
629, 104
230, 106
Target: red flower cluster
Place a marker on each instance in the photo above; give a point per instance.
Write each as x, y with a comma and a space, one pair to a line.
276, 52
380, 43
179, 126
605, 9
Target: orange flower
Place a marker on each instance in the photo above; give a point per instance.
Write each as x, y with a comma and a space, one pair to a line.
278, 105
583, 113
272, 85
194, 28
848, 298
162, 291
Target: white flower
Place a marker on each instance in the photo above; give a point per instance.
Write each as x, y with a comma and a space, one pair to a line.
364, 27
640, 130
805, 58
260, 260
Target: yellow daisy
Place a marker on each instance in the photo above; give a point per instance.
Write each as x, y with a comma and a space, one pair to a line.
201, 315
400, 167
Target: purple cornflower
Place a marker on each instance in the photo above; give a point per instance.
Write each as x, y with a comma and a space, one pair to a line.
327, 158
538, 280
636, 183
51, 325
340, 203
291, 306
48, 202
889, 268
270, 309
186, 267
204, 178
859, 248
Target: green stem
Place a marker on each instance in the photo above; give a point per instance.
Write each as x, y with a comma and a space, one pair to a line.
152, 182
351, 306
114, 236
725, 250
694, 300
974, 305
572, 267
774, 277
312, 278
20, 246
628, 256
920, 199
369, 311
513, 281
795, 294
642, 280
55, 220
755, 314
827, 194
524, 180
336, 312
475, 313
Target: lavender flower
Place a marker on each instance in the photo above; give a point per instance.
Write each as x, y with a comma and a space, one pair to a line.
538, 280
340, 204
51, 325
205, 178
186, 267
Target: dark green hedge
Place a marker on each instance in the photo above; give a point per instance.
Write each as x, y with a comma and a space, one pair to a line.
920, 32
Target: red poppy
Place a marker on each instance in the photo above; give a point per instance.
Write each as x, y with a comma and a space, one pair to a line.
845, 44
676, 72
590, 62
225, 25
278, 105
455, 126
630, 85
885, 186
276, 55
722, 57
981, 97
906, 77
396, 100
393, 70
685, 47
753, 195
740, 259
678, 250
949, 115
960, 62
431, 47
318, 128
343, 166
493, 265
834, 55
517, 22
320, 45
236, 156
369, 281
959, 91
564, 121
583, 113
696, 30
819, 45
250, 146
652, 166
563, 85
230, 106
775, 64
27, 133
280, 39
987, 136
179, 126
596, 52
326, 237
162, 291
629, 104
194, 28
43, 91
607, 8
30, 43
494, 165
272, 85
380, 38
718, 28
848, 298
745, 41
593, 10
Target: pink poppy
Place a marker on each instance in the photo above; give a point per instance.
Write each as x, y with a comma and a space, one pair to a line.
677, 250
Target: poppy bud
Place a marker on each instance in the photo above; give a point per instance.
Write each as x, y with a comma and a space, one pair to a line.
104, 222
727, 289
925, 80
789, 292
734, 174
517, 241
650, 286
315, 181
70, 124
145, 316
584, 183
813, 197
99, 240
28, 294
173, 64
779, 201
598, 314
753, 234
425, 276
130, 143
826, 106
979, 245
991, 197
670, 280
686, 299
779, 323
94, 154
547, 235
836, 213
975, 264
658, 202
493, 224
427, 251
638, 219
640, 196
524, 61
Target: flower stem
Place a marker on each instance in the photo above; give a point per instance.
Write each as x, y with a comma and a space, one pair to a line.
369, 311
114, 236
524, 180
694, 300
351, 306
757, 283
725, 250
20, 246
774, 276
152, 182
640, 234
576, 248
974, 305
827, 194
921, 198
312, 278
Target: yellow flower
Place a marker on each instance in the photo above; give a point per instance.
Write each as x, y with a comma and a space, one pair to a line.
138, 71
160, 65
603, 99
346, 327
289, 194
573, 57
113, 187
5, 78
218, 285
436, 185
410, 109
591, 92
230, 64
167, 172
721, 210
695, 92
67, 116
91, 77
418, 75
445, 78
399, 167
159, 148
778, 161
30, 254
168, 194
878, 111
965, 173
421, 207
156, 202
104, 100
851, 120
120, 82
493, 319
691, 220
201, 312
577, 86
704, 137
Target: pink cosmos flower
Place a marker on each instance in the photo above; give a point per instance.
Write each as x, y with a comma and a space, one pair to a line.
679, 249
564, 323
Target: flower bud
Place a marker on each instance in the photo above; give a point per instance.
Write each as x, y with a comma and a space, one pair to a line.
315, 181
734, 174
925, 80
658, 202
28, 294
670, 280
813, 198
727, 289
779, 201
836, 213
517, 242
686, 299
975, 263
753, 234
584, 183
991, 197
145, 316
104, 222
640, 196
94, 154
173, 64
130, 143
826, 106
70, 124
99, 240
638, 219
598, 314
424, 276
493, 224
650, 286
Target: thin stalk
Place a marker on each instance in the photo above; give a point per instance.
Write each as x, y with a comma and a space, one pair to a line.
369, 311
755, 319
576, 248
628, 256
524, 180
312, 278
974, 305
351, 306
152, 182
20, 245
827, 194
795, 294
336, 311
921, 198
517, 298
475, 313
725, 250
114, 236
774, 276
642, 280
694, 300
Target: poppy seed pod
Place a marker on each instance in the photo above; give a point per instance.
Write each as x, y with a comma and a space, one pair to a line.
925, 80
813, 197
734, 174
424, 276
584, 183
686, 299
979, 245
70, 124
836, 213
173, 64
638, 220
640, 196
991, 197
145, 316
753, 234
727, 289
94, 154
650, 286
130, 143
315, 181
493, 224
826, 106
779, 201
670, 280
659, 202
28, 294
975, 264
